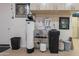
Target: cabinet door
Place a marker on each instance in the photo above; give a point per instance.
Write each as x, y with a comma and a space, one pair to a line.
49, 6
76, 6
35, 6
69, 6
61, 6
43, 6
54, 6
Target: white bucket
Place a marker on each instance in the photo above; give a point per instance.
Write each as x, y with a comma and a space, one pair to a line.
42, 47
61, 46
67, 45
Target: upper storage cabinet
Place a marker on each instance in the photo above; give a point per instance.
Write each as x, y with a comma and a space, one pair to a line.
46, 6
76, 6
43, 6
35, 6
54, 6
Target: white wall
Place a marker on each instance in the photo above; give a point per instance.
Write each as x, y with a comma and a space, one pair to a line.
18, 28
64, 34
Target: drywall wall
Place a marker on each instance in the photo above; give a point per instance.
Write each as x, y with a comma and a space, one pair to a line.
18, 30
18, 27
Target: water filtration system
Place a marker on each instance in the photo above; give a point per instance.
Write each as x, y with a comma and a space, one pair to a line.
30, 29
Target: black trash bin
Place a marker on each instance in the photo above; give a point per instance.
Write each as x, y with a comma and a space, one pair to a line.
15, 43
53, 40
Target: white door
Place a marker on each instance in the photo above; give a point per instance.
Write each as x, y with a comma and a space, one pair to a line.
78, 27
4, 25
74, 27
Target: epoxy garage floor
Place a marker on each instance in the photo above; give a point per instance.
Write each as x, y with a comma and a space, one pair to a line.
22, 52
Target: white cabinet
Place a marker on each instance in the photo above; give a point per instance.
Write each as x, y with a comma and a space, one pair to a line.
76, 6
43, 6
61, 6
35, 6
47, 6
54, 6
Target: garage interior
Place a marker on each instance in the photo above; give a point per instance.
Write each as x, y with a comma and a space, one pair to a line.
39, 29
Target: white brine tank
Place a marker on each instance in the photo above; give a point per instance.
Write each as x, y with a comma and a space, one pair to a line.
29, 29
30, 36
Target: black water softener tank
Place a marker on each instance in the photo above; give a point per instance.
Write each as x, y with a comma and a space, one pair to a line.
53, 40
